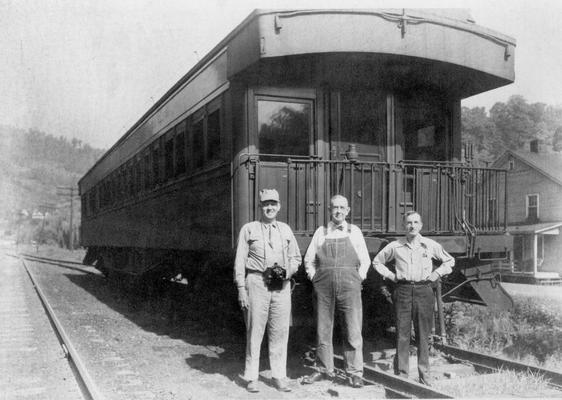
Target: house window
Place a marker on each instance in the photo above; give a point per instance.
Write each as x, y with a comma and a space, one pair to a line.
532, 207
511, 166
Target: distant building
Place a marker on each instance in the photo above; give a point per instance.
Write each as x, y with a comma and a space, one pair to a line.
534, 209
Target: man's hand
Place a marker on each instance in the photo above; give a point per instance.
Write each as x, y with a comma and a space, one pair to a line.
434, 276
243, 297
386, 293
362, 274
311, 275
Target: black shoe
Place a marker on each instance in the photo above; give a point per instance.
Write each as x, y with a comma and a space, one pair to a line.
252, 387
281, 385
426, 381
356, 382
314, 377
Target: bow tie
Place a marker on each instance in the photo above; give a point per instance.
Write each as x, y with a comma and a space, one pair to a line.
340, 227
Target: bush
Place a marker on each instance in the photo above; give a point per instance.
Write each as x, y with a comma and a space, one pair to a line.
532, 331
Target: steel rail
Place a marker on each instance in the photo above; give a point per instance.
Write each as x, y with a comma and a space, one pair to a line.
497, 363
396, 386
52, 259
59, 263
85, 381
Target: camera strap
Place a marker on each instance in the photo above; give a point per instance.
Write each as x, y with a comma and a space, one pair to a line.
267, 241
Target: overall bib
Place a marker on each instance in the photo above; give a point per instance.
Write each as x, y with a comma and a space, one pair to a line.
337, 288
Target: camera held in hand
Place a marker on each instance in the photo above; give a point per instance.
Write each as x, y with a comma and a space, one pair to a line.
274, 277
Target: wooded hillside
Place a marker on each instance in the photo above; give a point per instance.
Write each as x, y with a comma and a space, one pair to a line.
511, 125
34, 164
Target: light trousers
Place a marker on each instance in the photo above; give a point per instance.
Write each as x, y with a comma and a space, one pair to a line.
271, 309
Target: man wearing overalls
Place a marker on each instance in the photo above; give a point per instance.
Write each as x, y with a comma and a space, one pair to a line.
337, 262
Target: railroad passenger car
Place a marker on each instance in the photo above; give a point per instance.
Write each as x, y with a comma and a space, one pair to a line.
365, 103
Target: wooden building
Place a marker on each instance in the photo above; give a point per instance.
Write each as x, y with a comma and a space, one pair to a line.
534, 211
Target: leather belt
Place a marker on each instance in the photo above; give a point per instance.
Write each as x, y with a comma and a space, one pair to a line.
253, 271
414, 283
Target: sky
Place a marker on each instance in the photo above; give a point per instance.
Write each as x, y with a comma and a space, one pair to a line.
90, 69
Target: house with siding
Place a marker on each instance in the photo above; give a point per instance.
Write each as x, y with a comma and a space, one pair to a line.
534, 210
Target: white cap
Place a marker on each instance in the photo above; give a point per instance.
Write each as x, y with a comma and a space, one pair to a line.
269, 195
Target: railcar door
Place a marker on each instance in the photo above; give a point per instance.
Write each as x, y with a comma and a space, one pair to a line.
359, 121
423, 138
285, 133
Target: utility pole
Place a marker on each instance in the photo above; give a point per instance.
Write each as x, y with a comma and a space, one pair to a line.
44, 209
70, 191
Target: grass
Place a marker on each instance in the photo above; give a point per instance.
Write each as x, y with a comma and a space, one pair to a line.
504, 383
530, 333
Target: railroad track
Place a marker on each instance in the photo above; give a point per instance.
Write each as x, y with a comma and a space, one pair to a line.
61, 263
83, 378
395, 386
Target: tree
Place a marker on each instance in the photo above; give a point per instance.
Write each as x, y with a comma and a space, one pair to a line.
479, 130
517, 122
557, 139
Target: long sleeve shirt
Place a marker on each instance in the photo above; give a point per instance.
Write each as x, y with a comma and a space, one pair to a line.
332, 232
261, 245
413, 261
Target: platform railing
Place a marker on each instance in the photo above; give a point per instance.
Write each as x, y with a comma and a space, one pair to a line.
453, 198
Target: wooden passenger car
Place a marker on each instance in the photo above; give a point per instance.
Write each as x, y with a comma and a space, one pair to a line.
311, 102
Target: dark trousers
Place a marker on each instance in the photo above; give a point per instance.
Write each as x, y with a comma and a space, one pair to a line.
413, 303
338, 291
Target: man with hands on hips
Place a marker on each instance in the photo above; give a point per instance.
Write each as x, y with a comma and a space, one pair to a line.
413, 296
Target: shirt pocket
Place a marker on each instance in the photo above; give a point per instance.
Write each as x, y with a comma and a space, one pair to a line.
255, 242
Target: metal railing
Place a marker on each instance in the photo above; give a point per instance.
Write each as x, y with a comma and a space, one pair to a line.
451, 197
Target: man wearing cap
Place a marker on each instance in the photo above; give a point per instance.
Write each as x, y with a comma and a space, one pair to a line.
266, 257
413, 295
336, 262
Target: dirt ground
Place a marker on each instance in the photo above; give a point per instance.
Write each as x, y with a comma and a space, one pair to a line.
173, 345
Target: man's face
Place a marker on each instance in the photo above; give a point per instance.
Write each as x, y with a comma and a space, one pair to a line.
270, 209
413, 224
339, 210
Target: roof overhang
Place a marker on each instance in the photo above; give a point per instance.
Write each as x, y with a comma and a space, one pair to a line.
484, 58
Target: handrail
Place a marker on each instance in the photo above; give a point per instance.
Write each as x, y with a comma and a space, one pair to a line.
452, 198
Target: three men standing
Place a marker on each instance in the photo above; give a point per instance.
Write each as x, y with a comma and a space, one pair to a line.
266, 257
336, 262
413, 296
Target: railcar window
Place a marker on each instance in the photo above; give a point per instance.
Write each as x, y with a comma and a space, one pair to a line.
138, 173
424, 130
122, 184
155, 166
284, 127
169, 158
130, 179
146, 171
213, 136
180, 152
198, 152
363, 123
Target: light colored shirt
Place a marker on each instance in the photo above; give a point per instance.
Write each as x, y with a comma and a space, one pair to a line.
261, 245
332, 232
413, 261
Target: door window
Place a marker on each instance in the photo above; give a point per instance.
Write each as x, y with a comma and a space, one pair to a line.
284, 128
